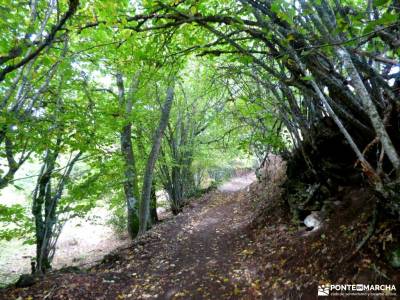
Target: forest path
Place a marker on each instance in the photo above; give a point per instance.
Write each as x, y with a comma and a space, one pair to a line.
197, 255
238, 183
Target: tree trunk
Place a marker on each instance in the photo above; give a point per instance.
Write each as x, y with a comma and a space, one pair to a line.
370, 108
153, 204
42, 197
45, 199
130, 180
151, 161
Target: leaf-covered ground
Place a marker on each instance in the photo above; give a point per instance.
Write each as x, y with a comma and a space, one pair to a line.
198, 254
216, 249
81, 242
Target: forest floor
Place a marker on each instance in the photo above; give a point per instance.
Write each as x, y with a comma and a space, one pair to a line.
212, 250
197, 254
83, 241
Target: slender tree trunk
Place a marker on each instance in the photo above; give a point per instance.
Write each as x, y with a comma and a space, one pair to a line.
13, 166
370, 108
45, 199
153, 204
327, 25
41, 198
130, 180
151, 161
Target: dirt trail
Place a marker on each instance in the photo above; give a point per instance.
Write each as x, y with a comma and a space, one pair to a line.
196, 255
237, 183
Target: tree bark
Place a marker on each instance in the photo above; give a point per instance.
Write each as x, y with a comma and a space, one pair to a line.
151, 161
45, 199
153, 204
42, 197
130, 180
370, 108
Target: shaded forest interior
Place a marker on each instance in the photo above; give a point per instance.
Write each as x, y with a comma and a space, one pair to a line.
145, 106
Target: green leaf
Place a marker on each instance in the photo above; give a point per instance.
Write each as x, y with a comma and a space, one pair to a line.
307, 78
385, 20
18, 187
276, 6
378, 3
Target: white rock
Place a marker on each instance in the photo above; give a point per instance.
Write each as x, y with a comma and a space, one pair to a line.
313, 220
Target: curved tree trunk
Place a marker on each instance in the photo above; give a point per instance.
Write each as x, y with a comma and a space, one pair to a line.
151, 161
